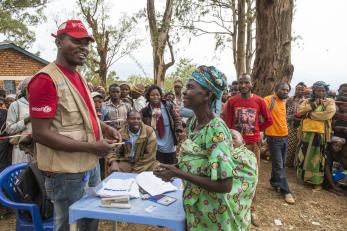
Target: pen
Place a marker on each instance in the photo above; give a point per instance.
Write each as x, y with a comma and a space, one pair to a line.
115, 190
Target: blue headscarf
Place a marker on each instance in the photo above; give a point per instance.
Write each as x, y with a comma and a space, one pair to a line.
319, 84
213, 80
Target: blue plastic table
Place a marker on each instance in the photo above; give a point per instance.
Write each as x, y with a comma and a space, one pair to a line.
172, 216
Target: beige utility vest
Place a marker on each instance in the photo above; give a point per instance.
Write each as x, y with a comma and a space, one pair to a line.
71, 120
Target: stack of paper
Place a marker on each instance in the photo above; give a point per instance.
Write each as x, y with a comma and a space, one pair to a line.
153, 185
121, 202
119, 187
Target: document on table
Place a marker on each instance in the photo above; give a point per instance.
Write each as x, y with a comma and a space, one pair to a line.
153, 185
119, 187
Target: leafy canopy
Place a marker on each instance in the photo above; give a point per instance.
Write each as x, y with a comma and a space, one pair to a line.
16, 16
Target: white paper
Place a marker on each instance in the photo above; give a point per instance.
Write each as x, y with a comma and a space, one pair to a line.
153, 185
119, 187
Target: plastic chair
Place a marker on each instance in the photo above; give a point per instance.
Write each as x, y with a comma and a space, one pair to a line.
9, 199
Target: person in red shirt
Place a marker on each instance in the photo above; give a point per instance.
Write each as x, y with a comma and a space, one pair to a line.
242, 113
64, 188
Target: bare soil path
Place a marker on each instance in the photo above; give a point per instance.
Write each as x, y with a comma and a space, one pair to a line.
314, 210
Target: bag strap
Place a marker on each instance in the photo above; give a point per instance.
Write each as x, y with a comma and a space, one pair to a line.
39, 176
272, 104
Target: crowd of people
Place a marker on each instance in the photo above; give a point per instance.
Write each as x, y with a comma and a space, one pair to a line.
204, 133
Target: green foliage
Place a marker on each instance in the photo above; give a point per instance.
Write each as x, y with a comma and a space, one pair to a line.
111, 78
183, 71
95, 80
135, 79
16, 16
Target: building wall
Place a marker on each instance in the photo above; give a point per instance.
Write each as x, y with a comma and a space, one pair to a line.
14, 63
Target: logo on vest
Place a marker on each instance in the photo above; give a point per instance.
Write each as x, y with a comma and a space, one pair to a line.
45, 109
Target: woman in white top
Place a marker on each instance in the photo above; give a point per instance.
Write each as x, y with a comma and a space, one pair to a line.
18, 122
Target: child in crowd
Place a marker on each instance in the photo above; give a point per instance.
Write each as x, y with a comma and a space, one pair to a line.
98, 102
102, 114
335, 165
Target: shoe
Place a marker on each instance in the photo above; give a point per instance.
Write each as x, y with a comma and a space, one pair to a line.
278, 189
254, 219
317, 187
289, 198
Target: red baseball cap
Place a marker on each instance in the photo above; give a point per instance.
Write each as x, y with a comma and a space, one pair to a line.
75, 29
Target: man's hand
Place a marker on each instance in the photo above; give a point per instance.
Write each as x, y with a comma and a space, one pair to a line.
103, 147
113, 167
125, 166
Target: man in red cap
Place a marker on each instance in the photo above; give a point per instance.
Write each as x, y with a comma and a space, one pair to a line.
66, 128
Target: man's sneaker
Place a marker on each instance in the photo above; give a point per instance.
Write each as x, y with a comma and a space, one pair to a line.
289, 198
254, 219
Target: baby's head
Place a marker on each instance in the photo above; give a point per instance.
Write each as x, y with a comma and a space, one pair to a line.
237, 138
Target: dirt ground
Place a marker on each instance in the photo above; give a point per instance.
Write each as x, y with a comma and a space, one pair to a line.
314, 210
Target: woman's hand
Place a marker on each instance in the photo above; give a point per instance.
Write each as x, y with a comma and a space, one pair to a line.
166, 172
156, 113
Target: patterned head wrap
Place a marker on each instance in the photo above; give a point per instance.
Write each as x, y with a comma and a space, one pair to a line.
320, 84
213, 80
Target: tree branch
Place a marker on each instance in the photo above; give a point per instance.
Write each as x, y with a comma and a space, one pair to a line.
171, 53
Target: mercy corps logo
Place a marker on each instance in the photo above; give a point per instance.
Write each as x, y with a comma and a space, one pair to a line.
45, 109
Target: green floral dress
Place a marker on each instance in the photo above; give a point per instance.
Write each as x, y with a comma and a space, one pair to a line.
209, 153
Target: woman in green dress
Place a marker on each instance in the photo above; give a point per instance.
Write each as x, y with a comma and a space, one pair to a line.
315, 131
219, 181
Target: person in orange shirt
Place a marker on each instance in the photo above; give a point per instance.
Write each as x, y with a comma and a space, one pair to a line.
277, 138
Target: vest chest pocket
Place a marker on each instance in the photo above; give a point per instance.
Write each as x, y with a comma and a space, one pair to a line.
70, 113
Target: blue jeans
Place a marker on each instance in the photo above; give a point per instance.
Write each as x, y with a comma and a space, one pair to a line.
278, 147
66, 188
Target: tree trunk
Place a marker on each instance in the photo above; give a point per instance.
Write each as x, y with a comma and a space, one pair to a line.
241, 35
249, 30
272, 64
103, 69
234, 35
159, 39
